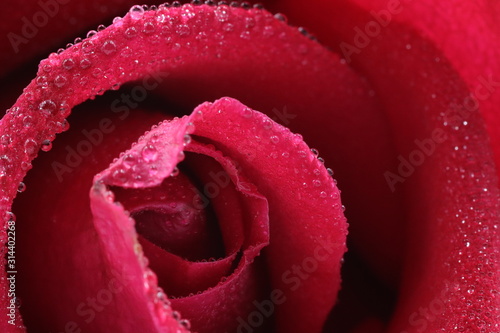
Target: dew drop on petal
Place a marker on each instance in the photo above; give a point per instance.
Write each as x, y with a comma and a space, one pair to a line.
129, 160
60, 81
181, 156
136, 12
5, 139
42, 82
85, 63
21, 187
247, 113
28, 121
149, 28
46, 145
68, 64
183, 30
48, 107
131, 32
185, 323
190, 128
120, 175
149, 153
10, 216
108, 47
30, 147
268, 124
175, 172
91, 33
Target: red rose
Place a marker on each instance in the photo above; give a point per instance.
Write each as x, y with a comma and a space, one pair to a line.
397, 113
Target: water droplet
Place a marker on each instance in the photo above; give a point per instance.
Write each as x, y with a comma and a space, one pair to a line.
60, 81
68, 64
129, 160
149, 28
330, 171
281, 17
150, 281
317, 183
315, 152
249, 22
247, 113
30, 147
87, 47
42, 82
175, 172
48, 107
187, 139
228, 27
28, 121
275, 139
136, 12
323, 194
176, 314
190, 128
131, 32
5, 139
181, 156
10, 216
101, 27
108, 47
185, 323
183, 30
245, 35
47, 68
21, 187
64, 125
267, 123
268, 31
149, 153
91, 33
46, 145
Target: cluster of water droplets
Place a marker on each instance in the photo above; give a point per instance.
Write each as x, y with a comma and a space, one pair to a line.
137, 166
473, 295
161, 303
311, 166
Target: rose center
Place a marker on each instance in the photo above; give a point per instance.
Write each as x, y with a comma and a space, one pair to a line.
178, 228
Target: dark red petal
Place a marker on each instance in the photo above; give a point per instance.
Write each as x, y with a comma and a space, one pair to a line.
124, 255
452, 198
466, 32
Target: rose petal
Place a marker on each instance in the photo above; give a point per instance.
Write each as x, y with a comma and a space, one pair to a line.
63, 252
452, 198
303, 200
